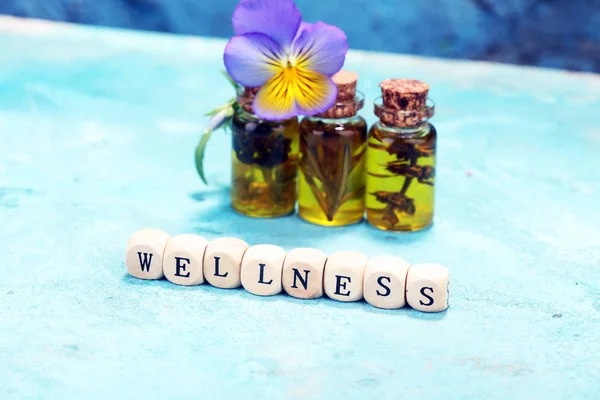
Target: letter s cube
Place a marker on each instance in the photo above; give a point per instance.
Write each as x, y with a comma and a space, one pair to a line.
385, 282
427, 287
145, 251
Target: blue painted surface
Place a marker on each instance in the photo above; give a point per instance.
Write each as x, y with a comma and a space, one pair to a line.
558, 34
98, 129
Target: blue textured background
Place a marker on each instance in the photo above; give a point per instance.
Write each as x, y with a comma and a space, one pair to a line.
551, 33
98, 129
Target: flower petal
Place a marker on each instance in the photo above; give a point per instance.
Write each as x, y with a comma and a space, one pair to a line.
275, 100
294, 92
315, 93
252, 59
279, 19
303, 27
321, 48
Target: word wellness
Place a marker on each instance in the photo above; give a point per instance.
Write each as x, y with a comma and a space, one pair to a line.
266, 270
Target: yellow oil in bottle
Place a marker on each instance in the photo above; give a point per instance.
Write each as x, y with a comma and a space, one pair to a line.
400, 177
264, 169
331, 176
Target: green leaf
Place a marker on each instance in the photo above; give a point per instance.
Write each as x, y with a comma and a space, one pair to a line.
229, 104
218, 121
233, 83
213, 112
216, 110
200, 149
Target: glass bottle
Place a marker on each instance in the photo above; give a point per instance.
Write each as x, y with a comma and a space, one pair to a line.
401, 162
332, 160
265, 160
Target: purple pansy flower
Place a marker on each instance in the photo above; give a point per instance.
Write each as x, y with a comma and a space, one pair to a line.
290, 60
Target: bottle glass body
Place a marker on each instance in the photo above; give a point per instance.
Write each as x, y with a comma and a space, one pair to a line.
264, 165
401, 177
332, 179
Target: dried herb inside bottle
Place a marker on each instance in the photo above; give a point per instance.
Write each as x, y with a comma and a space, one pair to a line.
401, 158
265, 158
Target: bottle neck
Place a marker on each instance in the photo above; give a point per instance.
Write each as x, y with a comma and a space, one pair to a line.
244, 115
413, 132
334, 121
405, 121
344, 109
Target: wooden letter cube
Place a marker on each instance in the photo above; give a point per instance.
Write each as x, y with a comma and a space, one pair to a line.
145, 250
261, 269
344, 274
183, 260
385, 282
427, 287
303, 273
222, 262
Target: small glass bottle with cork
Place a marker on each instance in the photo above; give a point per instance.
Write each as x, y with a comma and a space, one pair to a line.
265, 160
332, 159
401, 158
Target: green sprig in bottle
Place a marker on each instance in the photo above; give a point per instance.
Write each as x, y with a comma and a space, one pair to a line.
333, 149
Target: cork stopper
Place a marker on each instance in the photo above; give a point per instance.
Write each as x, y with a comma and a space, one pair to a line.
346, 84
404, 103
246, 98
404, 94
346, 105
